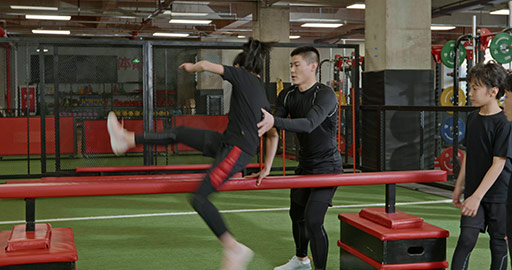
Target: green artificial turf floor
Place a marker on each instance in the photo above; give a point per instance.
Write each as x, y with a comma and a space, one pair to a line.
163, 232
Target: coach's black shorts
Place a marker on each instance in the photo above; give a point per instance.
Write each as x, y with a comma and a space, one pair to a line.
301, 196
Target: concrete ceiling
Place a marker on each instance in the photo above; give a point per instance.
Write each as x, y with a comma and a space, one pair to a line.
127, 19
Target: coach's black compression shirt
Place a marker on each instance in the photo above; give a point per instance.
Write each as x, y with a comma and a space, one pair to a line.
313, 116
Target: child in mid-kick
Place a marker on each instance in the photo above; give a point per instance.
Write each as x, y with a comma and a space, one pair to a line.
232, 150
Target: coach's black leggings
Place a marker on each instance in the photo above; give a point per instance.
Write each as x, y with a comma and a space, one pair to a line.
229, 160
308, 225
308, 207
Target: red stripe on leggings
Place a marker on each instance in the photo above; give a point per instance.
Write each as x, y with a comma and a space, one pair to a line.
222, 171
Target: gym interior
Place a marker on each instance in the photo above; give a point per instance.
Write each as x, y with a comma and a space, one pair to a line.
398, 70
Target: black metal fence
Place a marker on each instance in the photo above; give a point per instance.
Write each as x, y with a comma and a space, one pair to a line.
61, 91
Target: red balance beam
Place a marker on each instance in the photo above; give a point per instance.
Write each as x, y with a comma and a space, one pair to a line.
152, 168
141, 177
149, 186
109, 178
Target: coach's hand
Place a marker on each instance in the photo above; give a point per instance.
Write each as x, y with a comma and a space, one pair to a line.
266, 124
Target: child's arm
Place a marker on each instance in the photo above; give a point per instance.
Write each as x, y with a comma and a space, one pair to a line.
270, 153
272, 142
203, 66
470, 205
459, 185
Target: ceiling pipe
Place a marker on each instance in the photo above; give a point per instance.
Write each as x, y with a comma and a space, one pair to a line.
164, 6
463, 5
355, 31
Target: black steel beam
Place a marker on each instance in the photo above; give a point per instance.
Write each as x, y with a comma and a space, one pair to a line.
147, 97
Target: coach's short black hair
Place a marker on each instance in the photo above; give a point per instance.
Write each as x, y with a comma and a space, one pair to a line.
490, 74
310, 54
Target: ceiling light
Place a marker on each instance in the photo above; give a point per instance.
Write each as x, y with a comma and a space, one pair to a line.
160, 34
34, 7
441, 27
304, 5
500, 12
240, 36
316, 20
51, 32
190, 21
324, 25
44, 50
357, 6
48, 17
294, 37
186, 14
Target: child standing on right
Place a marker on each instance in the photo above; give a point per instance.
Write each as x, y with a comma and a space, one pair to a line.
486, 169
506, 87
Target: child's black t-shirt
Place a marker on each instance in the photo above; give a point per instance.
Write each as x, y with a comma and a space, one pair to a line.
247, 99
487, 137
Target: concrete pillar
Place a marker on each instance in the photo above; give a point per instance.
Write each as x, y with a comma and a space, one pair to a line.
272, 24
397, 34
397, 72
207, 80
213, 84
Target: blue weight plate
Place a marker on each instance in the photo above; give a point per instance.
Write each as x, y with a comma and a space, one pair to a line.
447, 130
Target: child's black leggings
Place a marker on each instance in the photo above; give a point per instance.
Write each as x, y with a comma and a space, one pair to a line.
229, 160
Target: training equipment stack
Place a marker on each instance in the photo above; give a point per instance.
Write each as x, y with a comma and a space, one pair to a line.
374, 239
38, 246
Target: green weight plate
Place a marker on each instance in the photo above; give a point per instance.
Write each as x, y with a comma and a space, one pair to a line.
448, 54
501, 49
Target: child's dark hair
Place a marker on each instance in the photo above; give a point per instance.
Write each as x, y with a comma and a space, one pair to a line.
239, 59
251, 59
490, 74
506, 86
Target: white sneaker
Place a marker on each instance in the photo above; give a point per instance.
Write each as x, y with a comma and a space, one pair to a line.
295, 264
116, 132
237, 259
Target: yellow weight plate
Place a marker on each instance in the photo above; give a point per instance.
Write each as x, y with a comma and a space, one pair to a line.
447, 97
